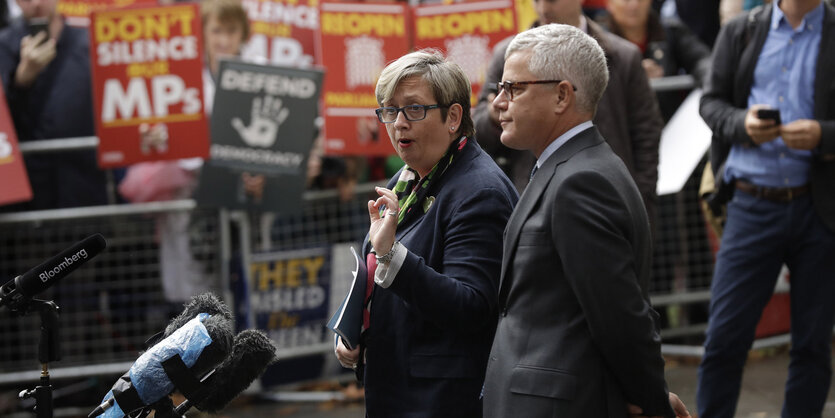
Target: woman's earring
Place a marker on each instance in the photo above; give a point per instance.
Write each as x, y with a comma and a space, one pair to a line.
452, 129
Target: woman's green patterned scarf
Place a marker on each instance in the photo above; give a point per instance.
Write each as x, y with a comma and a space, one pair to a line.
414, 192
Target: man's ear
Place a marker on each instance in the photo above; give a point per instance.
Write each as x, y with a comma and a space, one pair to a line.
564, 97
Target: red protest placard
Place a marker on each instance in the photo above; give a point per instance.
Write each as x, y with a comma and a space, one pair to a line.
466, 33
357, 41
77, 12
15, 182
148, 84
282, 32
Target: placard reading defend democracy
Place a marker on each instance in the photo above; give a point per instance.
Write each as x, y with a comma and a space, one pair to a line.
283, 31
262, 124
148, 84
356, 41
466, 32
16, 186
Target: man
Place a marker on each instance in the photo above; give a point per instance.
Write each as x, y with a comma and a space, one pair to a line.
782, 181
627, 116
45, 70
576, 334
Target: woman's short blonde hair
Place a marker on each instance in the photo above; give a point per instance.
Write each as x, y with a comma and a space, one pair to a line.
226, 11
448, 82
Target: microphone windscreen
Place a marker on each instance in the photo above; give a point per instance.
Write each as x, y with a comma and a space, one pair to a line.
203, 303
251, 354
220, 330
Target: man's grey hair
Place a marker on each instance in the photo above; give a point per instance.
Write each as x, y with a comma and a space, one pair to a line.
563, 52
447, 80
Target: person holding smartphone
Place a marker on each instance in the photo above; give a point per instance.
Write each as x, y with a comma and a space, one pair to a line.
37, 47
768, 101
45, 71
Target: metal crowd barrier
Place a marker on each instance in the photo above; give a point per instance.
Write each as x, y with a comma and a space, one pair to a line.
675, 82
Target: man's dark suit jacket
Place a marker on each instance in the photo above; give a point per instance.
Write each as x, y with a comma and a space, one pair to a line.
576, 335
430, 331
627, 116
725, 99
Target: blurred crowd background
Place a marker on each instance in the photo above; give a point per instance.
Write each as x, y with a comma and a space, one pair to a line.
165, 246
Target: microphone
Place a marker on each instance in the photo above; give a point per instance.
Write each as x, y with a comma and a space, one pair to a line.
202, 303
188, 353
251, 355
20, 290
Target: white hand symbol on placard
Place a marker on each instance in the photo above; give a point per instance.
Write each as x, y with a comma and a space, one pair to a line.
267, 115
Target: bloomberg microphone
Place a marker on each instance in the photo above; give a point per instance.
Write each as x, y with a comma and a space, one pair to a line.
20, 290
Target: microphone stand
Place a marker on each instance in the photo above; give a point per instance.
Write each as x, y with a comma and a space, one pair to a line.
48, 351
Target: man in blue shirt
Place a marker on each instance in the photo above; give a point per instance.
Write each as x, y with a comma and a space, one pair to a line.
782, 171
46, 76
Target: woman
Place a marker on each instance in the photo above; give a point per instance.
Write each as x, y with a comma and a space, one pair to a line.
667, 45
436, 240
225, 29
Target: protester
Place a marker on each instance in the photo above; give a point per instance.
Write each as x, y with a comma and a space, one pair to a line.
433, 249
668, 46
576, 334
45, 70
627, 116
225, 29
780, 173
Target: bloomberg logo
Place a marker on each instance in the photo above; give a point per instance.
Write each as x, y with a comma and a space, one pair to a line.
68, 261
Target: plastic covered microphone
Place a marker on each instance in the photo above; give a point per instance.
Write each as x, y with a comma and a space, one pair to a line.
189, 353
20, 290
202, 303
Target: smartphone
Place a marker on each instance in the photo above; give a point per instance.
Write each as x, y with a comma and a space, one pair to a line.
656, 51
38, 25
773, 114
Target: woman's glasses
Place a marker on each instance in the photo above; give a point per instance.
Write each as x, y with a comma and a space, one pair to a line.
412, 112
